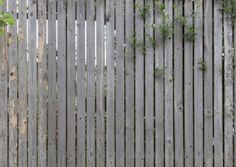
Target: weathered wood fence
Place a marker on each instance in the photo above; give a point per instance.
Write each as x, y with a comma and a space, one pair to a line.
114, 83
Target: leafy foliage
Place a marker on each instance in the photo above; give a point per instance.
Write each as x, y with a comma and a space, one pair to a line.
202, 65
229, 8
6, 19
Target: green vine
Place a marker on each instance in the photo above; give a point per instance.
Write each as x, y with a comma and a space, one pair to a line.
6, 19
229, 8
202, 65
159, 71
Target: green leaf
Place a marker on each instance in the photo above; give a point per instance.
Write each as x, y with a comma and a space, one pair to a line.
9, 19
1, 31
1, 2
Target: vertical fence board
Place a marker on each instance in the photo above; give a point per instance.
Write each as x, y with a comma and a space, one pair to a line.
100, 112
208, 101
22, 74
91, 83
188, 90
71, 83
228, 91
198, 85
139, 86
129, 84
81, 84
149, 88
3, 101
61, 95
178, 88
218, 87
12, 104
120, 83
32, 86
159, 94
52, 83
42, 85
169, 148
110, 134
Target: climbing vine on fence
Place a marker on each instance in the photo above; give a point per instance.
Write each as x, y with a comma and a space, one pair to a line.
5, 19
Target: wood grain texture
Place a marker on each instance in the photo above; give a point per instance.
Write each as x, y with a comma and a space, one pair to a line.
70, 83
22, 85
52, 83
61, 94
129, 84
178, 88
120, 147
12, 101
198, 85
100, 101
110, 94
218, 86
208, 90
228, 91
3, 102
188, 90
81, 87
32, 86
91, 83
139, 87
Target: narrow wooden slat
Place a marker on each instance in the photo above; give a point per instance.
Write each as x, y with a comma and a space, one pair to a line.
188, 90
22, 74
52, 83
149, 87
129, 84
100, 111
42, 85
91, 83
61, 95
110, 134
169, 148
139, 86
32, 86
159, 94
208, 91
228, 91
218, 87
3, 102
178, 88
198, 85
70, 83
81, 84
120, 84
12, 104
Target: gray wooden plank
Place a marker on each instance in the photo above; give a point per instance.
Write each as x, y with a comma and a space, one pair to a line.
149, 87
129, 85
139, 88
81, 84
228, 92
71, 83
169, 148
3, 101
178, 88
52, 83
159, 94
234, 31
218, 87
120, 161
22, 84
110, 133
12, 104
188, 91
61, 95
198, 85
91, 83
32, 86
208, 93
100, 107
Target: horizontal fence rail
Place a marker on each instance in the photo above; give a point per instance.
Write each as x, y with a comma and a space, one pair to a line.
114, 83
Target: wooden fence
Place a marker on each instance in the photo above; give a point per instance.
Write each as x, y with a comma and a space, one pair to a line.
114, 83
